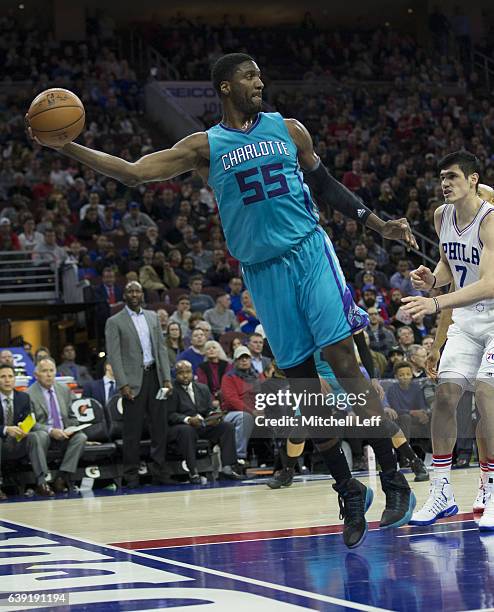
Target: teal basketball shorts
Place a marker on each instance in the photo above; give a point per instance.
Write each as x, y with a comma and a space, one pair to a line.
302, 300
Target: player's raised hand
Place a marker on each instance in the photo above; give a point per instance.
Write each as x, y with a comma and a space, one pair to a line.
29, 131
399, 229
431, 363
422, 278
417, 306
33, 138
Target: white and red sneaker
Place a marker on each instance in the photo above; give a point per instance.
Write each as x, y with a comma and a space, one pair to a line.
479, 503
486, 521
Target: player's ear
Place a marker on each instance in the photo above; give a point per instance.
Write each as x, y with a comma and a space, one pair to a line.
474, 179
225, 88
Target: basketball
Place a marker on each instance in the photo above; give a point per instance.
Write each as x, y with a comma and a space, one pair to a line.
56, 117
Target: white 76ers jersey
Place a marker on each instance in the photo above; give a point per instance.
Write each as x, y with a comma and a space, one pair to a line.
463, 248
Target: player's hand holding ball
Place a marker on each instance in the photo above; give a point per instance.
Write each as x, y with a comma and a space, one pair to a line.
422, 278
55, 118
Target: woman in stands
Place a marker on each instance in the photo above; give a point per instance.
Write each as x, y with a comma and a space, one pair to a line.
173, 342
215, 365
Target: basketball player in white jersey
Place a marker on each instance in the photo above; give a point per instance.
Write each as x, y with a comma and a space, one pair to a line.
445, 320
465, 226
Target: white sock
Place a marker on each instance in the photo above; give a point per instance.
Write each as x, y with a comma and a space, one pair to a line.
442, 466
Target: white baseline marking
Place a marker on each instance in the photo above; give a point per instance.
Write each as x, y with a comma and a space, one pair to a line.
436, 533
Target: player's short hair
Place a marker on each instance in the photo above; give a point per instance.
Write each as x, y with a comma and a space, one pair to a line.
6, 366
414, 348
131, 283
467, 162
224, 68
49, 359
41, 349
399, 365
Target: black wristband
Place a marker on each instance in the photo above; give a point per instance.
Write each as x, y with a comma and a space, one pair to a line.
438, 308
332, 193
365, 354
435, 281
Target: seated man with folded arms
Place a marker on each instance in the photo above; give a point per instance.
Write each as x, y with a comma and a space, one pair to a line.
191, 415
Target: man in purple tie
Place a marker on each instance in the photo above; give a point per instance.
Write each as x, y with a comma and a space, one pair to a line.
51, 403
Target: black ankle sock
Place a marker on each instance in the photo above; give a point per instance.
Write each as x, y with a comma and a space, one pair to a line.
336, 461
291, 462
406, 451
383, 449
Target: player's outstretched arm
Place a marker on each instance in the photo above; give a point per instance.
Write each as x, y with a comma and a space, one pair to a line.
481, 290
186, 155
331, 192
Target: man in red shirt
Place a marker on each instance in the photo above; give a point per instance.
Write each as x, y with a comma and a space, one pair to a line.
9, 241
353, 178
238, 389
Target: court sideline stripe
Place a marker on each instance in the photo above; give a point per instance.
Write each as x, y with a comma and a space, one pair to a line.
206, 570
250, 536
436, 533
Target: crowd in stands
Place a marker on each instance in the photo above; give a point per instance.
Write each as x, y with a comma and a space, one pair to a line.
305, 51
382, 144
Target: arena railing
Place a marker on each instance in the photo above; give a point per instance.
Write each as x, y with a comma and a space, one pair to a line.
23, 279
143, 56
172, 118
421, 239
485, 64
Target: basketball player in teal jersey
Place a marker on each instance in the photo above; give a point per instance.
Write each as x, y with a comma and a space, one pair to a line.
253, 161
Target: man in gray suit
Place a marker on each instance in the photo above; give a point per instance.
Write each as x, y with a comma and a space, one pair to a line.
137, 354
51, 403
69, 367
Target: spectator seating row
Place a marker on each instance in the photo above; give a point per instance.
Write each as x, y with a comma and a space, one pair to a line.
103, 453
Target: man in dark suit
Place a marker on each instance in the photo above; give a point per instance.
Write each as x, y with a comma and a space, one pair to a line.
139, 360
51, 403
102, 389
69, 367
15, 407
106, 295
191, 415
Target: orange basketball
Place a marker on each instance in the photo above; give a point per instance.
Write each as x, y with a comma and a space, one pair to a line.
56, 117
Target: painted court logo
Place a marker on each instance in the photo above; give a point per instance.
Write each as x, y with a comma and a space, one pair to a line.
43, 571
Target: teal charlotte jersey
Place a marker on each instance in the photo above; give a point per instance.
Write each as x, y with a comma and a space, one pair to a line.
264, 205
271, 226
